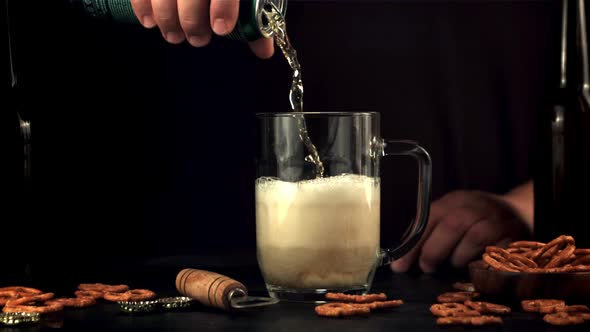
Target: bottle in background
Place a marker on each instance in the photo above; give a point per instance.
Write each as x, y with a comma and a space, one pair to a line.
563, 174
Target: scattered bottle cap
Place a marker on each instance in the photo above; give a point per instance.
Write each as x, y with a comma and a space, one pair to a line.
18, 318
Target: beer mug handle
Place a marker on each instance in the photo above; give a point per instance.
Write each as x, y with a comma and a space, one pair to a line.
415, 230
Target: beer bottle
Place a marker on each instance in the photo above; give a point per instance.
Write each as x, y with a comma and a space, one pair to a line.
251, 24
563, 175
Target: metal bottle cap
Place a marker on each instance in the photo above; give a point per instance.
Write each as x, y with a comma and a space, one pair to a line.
175, 302
138, 306
17, 318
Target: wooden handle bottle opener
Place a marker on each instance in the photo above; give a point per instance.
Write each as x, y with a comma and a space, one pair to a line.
216, 290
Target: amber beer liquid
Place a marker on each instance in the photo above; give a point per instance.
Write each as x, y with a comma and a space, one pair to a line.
251, 23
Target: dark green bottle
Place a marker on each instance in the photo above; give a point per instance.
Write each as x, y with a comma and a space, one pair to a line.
562, 180
251, 24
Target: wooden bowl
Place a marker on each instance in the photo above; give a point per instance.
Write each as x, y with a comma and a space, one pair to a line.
573, 287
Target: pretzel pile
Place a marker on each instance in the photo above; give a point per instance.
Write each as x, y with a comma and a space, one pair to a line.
558, 255
27, 299
353, 305
458, 308
556, 312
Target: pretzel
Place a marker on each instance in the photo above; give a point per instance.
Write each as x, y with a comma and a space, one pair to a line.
451, 309
25, 304
564, 255
582, 252
487, 307
116, 297
542, 305
512, 261
140, 294
559, 255
558, 242
7, 295
383, 304
456, 297
337, 309
104, 288
475, 320
464, 286
584, 315
498, 265
563, 318
21, 290
130, 295
29, 299
356, 298
581, 260
76, 302
580, 308
89, 293
529, 245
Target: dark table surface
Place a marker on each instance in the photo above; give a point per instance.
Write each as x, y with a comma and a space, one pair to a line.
417, 290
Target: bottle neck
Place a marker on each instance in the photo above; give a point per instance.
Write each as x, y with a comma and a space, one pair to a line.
574, 69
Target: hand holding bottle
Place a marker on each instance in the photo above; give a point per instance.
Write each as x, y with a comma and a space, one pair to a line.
195, 21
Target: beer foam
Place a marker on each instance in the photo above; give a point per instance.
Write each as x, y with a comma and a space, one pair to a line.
315, 232
340, 183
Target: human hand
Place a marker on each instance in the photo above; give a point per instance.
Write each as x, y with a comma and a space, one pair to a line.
461, 224
195, 21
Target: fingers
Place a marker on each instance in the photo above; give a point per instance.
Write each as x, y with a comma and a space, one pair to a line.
402, 264
473, 243
485, 232
166, 16
262, 48
143, 11
224, 14
445, 237
194, 20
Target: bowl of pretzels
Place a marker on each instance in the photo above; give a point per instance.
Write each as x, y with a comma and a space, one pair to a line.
530, 269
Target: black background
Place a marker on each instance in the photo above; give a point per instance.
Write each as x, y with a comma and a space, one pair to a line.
144, 151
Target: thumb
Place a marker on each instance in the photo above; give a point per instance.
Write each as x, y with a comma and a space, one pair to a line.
263, 47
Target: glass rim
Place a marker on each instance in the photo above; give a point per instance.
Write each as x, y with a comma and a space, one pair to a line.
327, 113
